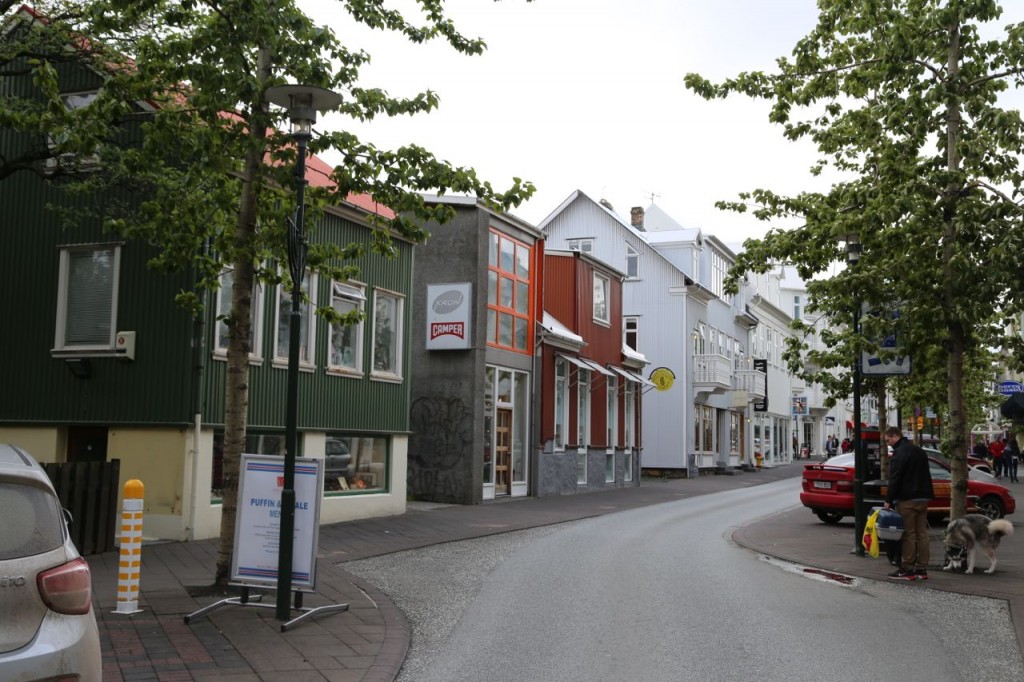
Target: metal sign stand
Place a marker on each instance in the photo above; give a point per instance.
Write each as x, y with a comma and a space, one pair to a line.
254, 564
255, 600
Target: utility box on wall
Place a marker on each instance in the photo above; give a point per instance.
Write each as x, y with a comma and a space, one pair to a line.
124, 345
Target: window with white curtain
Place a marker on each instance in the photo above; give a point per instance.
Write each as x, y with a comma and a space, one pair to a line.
602, 304
87, 297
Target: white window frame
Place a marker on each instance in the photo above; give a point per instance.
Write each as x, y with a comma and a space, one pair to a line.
352, 293
632, 263
307, 315
73, 101
393, 373
581, 245
719, 269
629, 415
223, 303
582, 424
602, 314
611, 413
699, 341
631, 327
561, 404
704, 429
583, 408
64, 298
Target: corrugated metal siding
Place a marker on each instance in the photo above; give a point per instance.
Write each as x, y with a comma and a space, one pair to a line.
560, 288
327, 402
38, 387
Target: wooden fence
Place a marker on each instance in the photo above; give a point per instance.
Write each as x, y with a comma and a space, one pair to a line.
89, 491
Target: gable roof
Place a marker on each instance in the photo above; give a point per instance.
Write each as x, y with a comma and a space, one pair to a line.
625, 225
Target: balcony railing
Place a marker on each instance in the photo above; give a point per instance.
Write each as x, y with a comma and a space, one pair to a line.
712, 373
750, 380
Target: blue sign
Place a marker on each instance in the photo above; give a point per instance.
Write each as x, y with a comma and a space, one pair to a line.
1010, 387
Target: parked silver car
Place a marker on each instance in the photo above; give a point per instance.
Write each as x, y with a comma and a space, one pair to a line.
49, 628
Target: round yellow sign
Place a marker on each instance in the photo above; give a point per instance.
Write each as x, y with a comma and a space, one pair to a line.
663, 378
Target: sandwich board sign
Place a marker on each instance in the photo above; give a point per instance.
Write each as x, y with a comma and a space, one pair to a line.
258, 526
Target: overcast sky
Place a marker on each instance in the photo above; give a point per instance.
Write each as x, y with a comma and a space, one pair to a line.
588, 94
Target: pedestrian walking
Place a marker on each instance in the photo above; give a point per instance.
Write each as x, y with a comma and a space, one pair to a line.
980, 449
846, 446
1011, 456
910, 489
996, 450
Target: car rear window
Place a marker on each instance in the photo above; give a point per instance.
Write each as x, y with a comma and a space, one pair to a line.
31, 521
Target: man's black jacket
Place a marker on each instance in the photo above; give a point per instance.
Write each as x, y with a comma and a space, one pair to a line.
909, 477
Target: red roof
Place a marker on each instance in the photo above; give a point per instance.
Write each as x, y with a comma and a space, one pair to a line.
318, 174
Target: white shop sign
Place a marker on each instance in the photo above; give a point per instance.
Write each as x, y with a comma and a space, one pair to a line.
448, 316
258, 524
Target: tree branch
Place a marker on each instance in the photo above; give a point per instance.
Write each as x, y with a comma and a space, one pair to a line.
998, 192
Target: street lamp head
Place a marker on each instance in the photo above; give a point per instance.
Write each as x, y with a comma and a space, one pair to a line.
302, 103
853, 251
853, 245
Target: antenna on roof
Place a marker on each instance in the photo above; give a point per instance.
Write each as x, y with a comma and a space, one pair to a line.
654, 195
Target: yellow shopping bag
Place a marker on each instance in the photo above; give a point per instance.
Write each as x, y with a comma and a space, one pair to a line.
870, 539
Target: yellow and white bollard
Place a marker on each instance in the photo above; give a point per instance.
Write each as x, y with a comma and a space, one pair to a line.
130, 564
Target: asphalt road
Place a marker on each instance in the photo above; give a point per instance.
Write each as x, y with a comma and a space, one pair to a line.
662, 593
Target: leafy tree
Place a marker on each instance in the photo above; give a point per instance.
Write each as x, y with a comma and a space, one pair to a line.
34, 48
214, 169
901, 98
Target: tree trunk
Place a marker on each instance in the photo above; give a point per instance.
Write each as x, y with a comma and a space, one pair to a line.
958, 334
236, 399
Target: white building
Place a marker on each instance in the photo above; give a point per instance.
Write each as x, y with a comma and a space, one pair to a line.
676, 313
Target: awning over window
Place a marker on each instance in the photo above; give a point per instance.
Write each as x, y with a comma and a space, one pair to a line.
597, 367
630, 376
576, 361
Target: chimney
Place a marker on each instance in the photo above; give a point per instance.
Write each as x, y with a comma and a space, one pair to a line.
636, 217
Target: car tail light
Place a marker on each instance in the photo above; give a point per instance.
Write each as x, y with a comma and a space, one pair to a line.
68, 588
844, 486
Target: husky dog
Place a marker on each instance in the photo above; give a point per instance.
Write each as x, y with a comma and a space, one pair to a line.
971, 532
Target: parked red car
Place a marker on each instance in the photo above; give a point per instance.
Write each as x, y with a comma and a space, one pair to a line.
828, 490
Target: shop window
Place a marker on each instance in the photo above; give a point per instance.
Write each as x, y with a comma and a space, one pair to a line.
356, 464
255, 444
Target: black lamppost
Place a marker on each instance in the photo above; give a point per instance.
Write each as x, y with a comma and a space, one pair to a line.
302, 103
853, 250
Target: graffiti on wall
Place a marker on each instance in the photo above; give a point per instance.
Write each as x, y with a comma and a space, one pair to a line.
441, 444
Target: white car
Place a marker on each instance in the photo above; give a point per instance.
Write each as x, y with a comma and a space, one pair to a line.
48, 629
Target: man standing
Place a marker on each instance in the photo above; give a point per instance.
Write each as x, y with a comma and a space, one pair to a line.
1011, 455
910, 489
